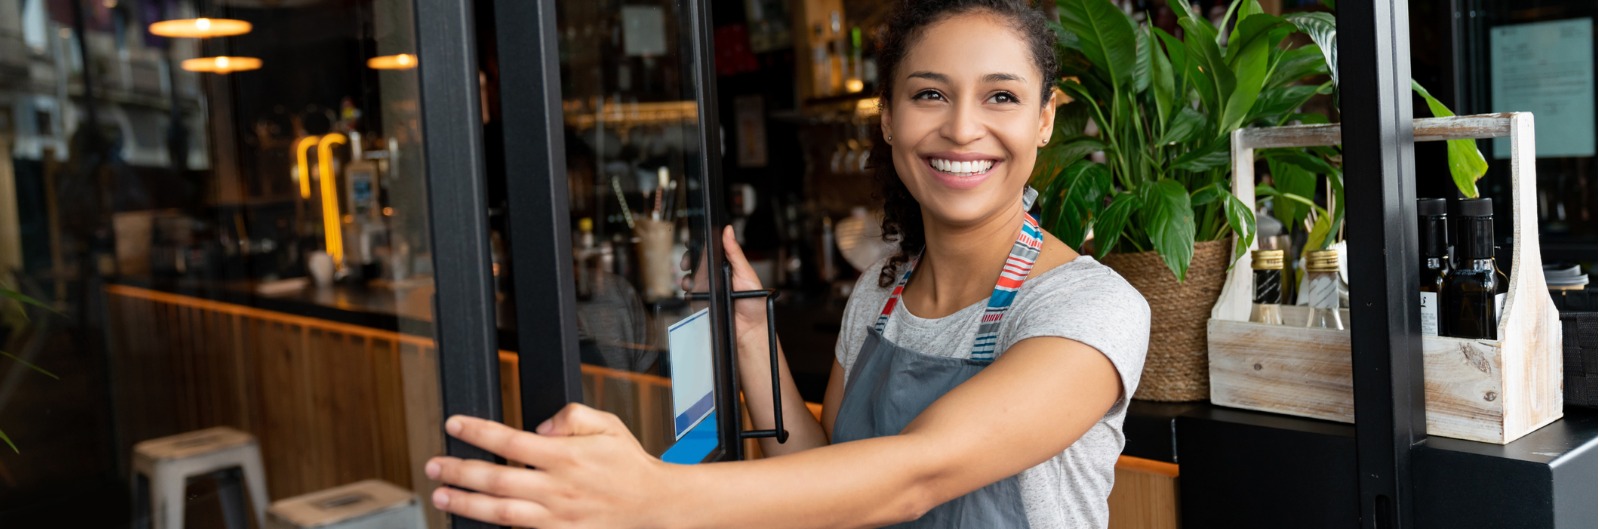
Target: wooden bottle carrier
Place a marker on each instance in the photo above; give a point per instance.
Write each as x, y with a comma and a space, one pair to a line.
1492, 391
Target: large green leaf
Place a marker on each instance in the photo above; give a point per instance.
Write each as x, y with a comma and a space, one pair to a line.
1105, 34
1071, 119
1181, 7
1076, 195
1242, 222
1162, 82
1188, 125
1208, 71
1053, 159
1109, 225
1246, 10
1212, 155
1208, 194
1323, 31
1295, 180
1144, 46
1167, 216
1277, 101
1466, 162
1178, 57
1296, 64
1249, 68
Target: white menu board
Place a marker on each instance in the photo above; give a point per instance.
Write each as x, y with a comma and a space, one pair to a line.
1546, 68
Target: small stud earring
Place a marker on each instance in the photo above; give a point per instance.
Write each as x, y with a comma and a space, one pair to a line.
889, 138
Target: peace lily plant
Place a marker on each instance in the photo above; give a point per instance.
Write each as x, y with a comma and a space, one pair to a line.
1163, 109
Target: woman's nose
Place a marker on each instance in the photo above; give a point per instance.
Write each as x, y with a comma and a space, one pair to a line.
963, 125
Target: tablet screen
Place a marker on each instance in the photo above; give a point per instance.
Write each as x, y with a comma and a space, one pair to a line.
694, 422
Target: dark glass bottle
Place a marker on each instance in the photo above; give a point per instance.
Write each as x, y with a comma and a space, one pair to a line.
1267, 268
1467, 300
1432, 240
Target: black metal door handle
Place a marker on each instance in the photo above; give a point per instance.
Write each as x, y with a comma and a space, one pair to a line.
777, 432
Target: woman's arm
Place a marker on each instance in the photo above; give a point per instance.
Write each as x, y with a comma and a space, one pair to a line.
1030, 405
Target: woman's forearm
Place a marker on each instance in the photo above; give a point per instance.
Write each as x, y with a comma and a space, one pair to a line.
755, 380
868, 483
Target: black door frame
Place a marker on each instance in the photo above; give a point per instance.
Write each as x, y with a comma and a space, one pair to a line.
458, 216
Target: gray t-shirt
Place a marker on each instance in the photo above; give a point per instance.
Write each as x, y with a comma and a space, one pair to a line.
1083, 301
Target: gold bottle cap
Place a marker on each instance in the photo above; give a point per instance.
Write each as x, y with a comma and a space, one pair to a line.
1323, 261
1266, 260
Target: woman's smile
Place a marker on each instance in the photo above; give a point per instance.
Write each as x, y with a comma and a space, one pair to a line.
961, 170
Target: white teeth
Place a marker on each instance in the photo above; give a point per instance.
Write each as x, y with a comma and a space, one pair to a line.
955, 167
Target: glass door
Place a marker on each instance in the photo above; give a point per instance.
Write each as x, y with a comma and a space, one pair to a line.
226, 230
613, 210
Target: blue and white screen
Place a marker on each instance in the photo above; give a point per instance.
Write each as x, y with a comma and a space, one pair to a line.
694, 421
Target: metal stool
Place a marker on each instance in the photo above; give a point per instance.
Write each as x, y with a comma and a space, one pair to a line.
167, 464
370, 504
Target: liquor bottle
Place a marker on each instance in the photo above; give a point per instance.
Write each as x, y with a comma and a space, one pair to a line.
1467, 301
1322, 271
1267, 266
1432, 242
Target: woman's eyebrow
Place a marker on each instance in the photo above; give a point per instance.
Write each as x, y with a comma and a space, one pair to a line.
942, 78
1001, 77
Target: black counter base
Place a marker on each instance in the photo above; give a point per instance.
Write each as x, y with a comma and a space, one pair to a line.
1244, 469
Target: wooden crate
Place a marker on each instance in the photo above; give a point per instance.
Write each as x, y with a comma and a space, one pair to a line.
1492, 391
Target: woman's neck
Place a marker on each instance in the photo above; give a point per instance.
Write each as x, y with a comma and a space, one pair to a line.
961, 263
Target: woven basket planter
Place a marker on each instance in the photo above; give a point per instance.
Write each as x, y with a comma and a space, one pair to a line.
1175, 369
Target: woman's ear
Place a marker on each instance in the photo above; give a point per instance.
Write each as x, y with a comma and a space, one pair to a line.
1047, 119
884, 123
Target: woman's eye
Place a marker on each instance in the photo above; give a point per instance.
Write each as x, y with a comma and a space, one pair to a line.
929, 95
1004, 97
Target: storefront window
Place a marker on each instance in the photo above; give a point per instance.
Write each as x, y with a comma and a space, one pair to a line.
221, 209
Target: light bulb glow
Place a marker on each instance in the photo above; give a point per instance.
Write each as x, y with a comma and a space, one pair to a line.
200, 28
399, 61
221, 65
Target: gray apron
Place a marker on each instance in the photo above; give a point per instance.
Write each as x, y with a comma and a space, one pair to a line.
889, 386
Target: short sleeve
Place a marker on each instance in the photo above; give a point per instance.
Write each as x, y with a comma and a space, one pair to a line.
860, 312
1095, 307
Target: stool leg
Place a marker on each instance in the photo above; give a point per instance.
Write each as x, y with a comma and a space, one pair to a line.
230, 492
141, 501
256, 478
169, 500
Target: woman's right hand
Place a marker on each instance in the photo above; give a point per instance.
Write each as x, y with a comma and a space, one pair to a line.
749, 315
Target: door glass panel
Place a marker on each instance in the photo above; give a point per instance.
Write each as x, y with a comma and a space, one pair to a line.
223, 220
632, 149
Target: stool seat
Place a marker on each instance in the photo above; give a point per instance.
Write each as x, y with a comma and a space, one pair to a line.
363, 504
162, 468
191, 444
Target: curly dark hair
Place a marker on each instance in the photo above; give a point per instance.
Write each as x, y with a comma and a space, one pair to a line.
902, 215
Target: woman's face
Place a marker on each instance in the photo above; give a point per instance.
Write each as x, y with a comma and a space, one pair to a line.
965, 118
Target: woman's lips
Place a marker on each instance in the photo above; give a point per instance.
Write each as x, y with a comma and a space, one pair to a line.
965, 174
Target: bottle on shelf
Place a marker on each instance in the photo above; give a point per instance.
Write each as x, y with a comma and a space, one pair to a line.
1267, 266
1469, 298
1322, 273
1432, 245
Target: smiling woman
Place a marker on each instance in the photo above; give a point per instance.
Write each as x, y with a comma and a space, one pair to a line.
981, 374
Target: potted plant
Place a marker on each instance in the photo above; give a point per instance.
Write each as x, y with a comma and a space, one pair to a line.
1158, 206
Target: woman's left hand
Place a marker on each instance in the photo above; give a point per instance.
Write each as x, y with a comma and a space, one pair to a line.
587, 470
